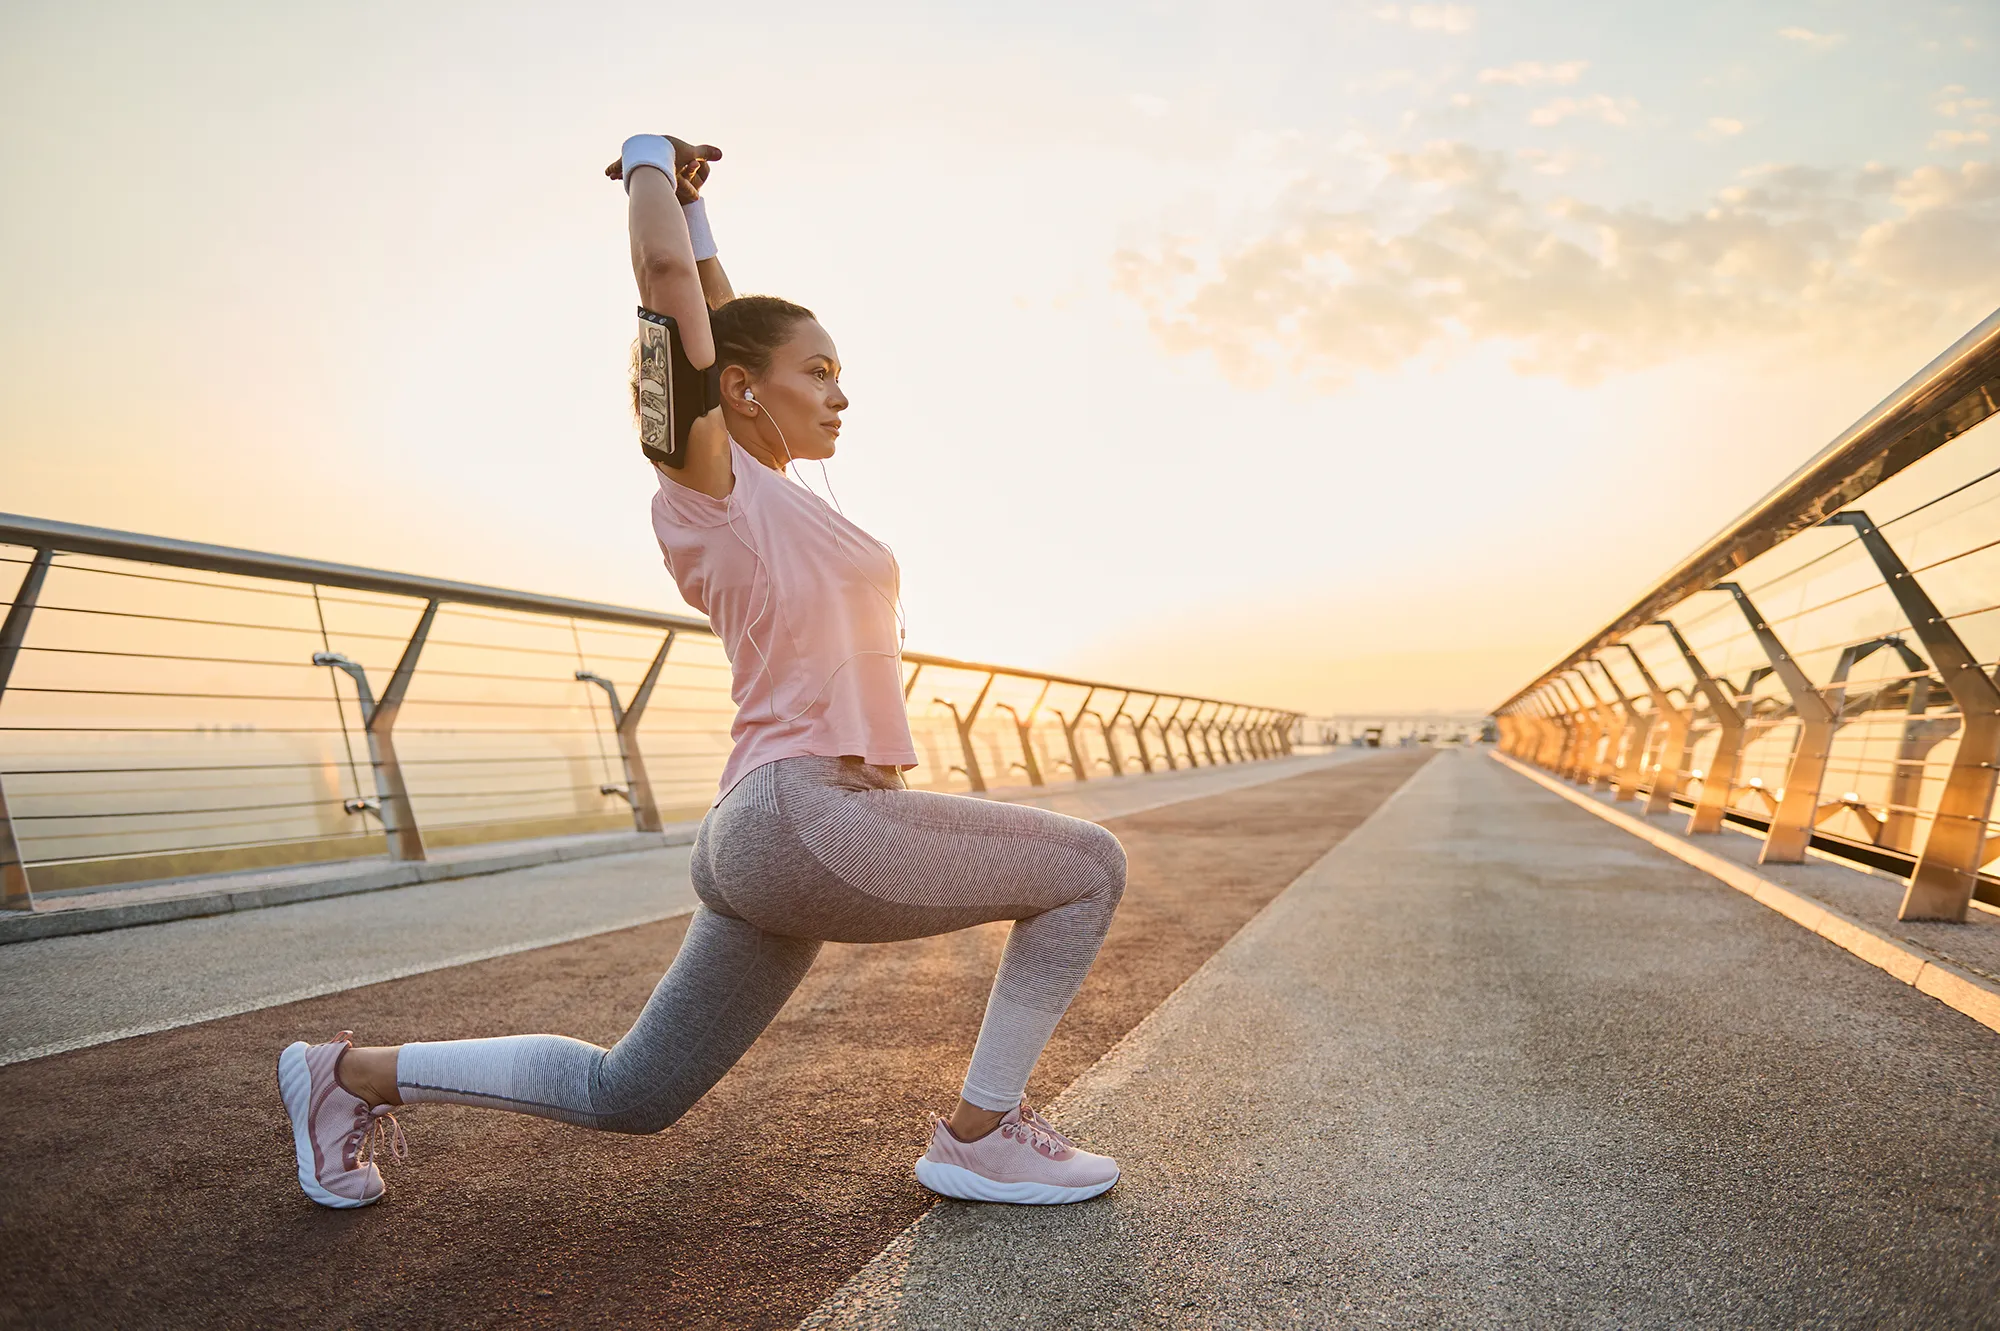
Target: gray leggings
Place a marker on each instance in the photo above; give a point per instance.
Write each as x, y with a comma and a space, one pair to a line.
804, 850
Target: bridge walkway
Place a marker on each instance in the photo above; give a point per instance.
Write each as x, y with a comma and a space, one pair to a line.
1494, 1061
149, 1177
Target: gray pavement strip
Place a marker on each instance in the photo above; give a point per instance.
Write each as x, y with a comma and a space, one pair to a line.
65, 993
1494, 1061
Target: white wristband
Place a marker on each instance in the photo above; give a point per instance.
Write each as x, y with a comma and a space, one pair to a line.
646, 150
698, 232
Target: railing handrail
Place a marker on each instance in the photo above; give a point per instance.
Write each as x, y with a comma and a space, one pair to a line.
74, 538
1943, 400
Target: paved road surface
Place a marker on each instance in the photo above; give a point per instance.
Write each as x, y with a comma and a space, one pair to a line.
149, 1181
1496, 1062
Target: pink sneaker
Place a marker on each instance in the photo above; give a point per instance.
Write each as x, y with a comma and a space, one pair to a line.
337, 1135
1023, 1160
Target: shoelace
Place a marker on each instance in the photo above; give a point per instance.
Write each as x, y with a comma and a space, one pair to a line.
1031, 1133
1030, 1116
372, 1129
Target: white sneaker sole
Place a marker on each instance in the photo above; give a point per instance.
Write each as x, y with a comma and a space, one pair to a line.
295, 1086
957, 1181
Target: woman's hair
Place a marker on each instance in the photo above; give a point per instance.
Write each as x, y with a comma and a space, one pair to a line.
748, 332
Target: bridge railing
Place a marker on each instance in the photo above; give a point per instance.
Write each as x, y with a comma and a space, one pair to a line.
1822, 672
170, 708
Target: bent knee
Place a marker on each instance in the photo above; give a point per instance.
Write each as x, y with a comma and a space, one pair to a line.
642, 1121
1105, 852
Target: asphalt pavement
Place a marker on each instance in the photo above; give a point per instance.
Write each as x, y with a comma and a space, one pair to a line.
1493, 1061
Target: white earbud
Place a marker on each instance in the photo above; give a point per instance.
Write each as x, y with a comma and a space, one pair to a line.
750, 397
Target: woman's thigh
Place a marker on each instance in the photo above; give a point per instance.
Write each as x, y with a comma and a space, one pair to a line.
815, 852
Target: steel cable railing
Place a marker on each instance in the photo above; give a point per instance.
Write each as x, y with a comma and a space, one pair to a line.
168, 708
1823, 672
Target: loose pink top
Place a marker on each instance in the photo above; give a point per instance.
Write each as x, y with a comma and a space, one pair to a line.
804, 602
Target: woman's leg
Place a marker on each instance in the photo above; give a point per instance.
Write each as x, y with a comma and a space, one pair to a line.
840, 851
724, 987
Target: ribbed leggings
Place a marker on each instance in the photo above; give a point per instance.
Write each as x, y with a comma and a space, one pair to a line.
805, 850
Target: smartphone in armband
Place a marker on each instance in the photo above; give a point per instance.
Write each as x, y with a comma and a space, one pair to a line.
673, 395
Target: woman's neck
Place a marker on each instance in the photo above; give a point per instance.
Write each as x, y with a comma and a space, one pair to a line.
756, 449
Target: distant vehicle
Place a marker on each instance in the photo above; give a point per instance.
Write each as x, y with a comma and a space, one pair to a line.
1372, 737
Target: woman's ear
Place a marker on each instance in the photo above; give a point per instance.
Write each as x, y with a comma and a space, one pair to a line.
735, 383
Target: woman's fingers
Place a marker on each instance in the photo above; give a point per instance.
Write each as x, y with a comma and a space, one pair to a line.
616, 170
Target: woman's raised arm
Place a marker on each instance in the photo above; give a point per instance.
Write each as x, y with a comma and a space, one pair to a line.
656, 171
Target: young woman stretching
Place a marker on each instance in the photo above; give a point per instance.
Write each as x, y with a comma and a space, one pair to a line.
815, 836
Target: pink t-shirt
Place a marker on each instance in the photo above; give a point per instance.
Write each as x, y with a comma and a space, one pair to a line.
805, 604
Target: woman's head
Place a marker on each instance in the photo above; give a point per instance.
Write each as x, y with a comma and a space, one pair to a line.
780, 377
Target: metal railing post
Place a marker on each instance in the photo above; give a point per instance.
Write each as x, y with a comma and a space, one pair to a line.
1106, 724
15, 894
1719, 782
964, 725
378, 720
1077, 767
1166, 729
1612, 721
1921, 734
1603, 726
1673, 745
1947, 869
1792, 821
1206, 728
1233, 754
1637, 731
1024, 727
638, 788
1571, 721
1187, 732
1139, 734
1580, 741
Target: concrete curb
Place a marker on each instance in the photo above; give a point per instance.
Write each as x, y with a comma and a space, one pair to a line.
222, 899
1955, 988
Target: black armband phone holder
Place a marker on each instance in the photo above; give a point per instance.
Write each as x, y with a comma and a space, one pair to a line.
673, 394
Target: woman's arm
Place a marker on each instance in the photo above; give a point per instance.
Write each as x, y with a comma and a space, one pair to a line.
671, 283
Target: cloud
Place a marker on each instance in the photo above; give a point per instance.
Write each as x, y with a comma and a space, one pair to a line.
1527, 73
1148, 105
1725, 126
1431, 18
1597, 106
1544, 163
1818, 41
1946, 139
1445, 252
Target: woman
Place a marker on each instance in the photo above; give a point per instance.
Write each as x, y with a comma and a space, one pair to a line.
814, 836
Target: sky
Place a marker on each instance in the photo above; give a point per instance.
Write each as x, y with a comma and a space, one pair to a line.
1335, 356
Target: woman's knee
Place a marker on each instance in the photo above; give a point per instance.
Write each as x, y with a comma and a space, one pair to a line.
1105, 852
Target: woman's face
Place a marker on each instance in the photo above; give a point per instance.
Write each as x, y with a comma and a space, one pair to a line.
801, 394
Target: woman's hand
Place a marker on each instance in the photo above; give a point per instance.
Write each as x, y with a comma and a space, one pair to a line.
690, 167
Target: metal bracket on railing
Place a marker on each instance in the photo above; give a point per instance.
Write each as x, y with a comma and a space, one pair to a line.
1105, 724
1673, 745
1637, 732
1024, 727
1947, 872
638, 788
15, 894
964, 727
1718, 783
1077, 767
378, 720
1791, 823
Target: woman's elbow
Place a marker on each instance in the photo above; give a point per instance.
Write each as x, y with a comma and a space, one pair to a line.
658, 267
